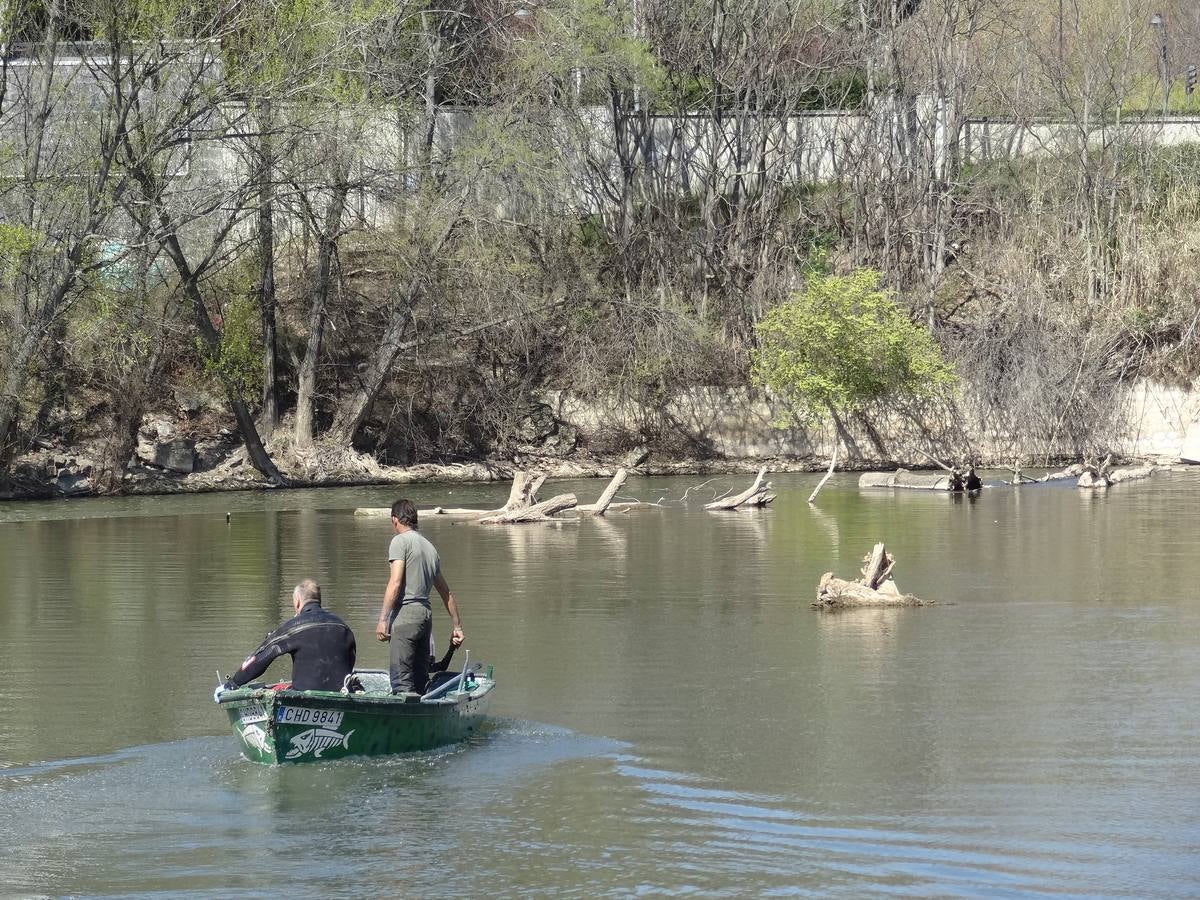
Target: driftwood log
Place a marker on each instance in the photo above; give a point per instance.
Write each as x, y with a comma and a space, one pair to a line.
601, 506
875, 588
828, 475
521, 495
1096, 477
1107, 478
538, 512
523, 506
758, 494
903, 478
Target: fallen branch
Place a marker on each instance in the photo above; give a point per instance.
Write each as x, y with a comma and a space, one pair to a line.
828, 475
606, 498
521, 495
1096, 478
1116, 476
539, 512
933, 459
697, 487
1019, 478
755, 495
1073, 471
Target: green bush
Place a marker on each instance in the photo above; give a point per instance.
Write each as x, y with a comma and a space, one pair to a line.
239, 359
843, 343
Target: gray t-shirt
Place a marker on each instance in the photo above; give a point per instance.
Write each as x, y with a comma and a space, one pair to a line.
421, 564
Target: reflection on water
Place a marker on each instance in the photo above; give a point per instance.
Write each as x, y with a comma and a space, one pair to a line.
1035, 732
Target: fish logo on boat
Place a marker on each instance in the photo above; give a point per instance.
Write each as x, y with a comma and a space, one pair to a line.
316, 741
255, 737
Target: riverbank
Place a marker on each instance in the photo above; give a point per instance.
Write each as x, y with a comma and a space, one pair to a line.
57, 473
50, 474
714, 432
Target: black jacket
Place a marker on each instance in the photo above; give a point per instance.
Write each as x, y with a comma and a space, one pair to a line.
322, 648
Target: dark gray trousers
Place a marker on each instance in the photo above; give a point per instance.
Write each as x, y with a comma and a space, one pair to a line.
411, 629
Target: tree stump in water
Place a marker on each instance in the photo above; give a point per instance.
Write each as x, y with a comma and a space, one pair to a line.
875, 589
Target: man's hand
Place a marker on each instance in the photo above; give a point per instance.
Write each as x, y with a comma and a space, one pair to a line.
381, 630
456, 636
218, 692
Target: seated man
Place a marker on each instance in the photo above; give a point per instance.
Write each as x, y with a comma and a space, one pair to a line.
321, 645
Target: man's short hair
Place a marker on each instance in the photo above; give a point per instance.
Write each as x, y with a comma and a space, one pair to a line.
309, 591
406, 511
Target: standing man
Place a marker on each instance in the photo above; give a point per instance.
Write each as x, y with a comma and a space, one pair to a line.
406, 617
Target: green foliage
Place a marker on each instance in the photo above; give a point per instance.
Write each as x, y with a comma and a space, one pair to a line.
843, 343
313, 45
1145, 97
16, 244
593, 38
239, 358
110, 332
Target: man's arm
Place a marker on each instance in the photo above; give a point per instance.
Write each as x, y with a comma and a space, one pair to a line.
273, 646
391, 594
451, 607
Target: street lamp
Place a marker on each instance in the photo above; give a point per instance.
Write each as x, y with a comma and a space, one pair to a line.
1160, 24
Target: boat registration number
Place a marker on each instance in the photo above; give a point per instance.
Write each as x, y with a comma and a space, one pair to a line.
296, 715
253, 712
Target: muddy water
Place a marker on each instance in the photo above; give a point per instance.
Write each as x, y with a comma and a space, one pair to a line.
671, 718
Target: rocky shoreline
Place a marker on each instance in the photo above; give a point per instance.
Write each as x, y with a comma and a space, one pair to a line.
188, 457
169, 461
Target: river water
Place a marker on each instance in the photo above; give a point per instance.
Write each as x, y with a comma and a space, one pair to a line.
671, 718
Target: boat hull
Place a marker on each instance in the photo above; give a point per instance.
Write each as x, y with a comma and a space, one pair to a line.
282, 726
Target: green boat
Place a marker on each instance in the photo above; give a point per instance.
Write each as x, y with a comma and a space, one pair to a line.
284, 726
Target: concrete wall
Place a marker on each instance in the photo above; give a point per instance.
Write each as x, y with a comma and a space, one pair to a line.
737, 424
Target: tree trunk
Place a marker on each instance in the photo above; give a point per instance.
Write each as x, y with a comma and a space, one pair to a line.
269, 414
118, 447
257, 453
518, 493
878, 566
14, 383
307, 377
355, 411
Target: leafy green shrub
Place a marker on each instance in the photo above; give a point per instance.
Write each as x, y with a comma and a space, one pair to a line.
843, 343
